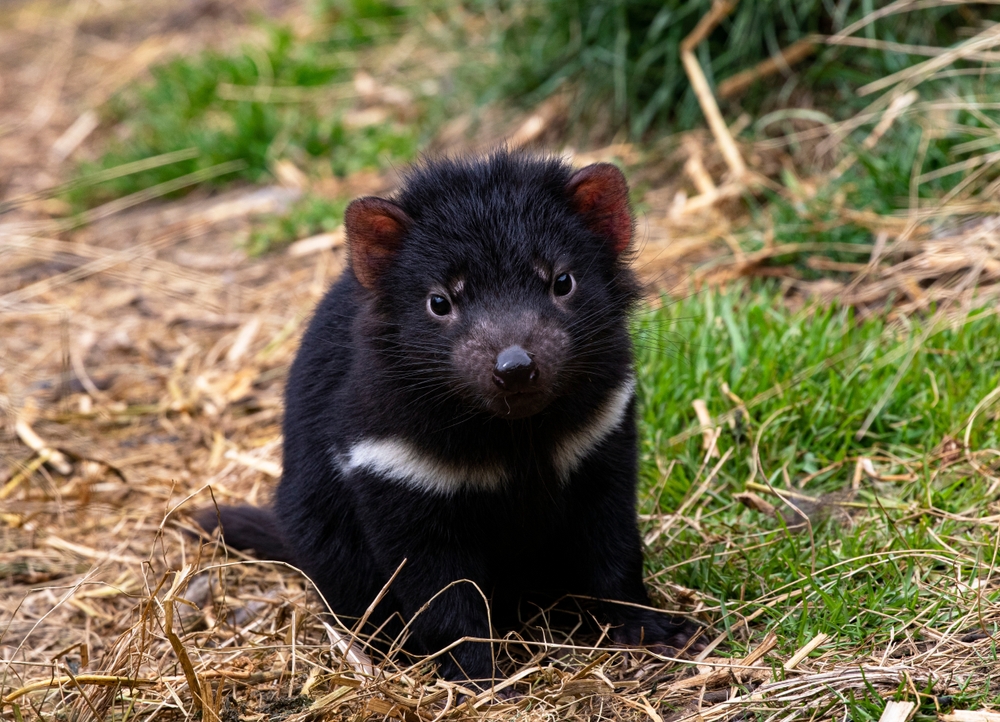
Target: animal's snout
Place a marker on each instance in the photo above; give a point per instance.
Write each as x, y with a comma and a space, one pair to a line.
515, 371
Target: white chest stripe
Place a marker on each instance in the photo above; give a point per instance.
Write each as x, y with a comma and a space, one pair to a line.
572, 450
405, 462
408, 464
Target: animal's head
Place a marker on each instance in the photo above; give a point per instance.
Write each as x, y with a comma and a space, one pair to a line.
504, 280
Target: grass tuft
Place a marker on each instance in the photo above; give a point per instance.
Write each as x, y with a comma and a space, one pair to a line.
622, 56
877, 541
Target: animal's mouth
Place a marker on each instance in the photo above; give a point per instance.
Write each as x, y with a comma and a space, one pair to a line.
519, 404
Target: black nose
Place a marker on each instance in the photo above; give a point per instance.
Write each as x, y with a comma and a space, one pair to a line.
515, 370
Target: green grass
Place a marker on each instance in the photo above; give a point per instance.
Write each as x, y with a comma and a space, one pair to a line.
870, 574
623, 55
206, 103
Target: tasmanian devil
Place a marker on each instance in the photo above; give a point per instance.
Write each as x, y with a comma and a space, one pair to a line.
464, 400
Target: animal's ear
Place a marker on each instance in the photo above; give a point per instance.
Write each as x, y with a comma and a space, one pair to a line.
375, 229
599, 193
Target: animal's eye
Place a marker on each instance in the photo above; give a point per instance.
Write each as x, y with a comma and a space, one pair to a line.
563, 284
438, 305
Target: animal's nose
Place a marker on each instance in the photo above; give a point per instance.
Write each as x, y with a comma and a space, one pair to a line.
515, 370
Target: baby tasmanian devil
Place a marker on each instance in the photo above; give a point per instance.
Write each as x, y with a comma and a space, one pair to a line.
464, 400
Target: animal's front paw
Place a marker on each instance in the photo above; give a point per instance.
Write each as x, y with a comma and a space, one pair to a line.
659, 632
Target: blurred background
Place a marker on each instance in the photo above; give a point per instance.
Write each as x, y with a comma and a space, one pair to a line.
793, 138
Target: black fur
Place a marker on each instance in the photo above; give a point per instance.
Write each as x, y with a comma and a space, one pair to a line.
375, 363
249, 528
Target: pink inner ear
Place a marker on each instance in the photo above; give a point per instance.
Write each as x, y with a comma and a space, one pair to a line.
375, 230
599, 193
